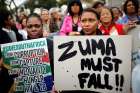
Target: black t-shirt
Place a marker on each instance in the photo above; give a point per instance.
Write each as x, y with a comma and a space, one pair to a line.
74, 27
4, 37
6, 81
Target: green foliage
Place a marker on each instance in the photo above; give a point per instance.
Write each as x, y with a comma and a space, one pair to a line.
47, 3
3, 4
31, 4
61, 2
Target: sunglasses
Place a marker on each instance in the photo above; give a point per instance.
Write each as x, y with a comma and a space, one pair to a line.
35, 25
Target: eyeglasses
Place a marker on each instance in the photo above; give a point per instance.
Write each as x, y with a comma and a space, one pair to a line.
35, 25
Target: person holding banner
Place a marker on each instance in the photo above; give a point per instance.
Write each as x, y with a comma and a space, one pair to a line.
35, 31
89, 23
6, 81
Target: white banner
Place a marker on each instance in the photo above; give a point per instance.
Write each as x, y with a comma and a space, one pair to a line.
93, 63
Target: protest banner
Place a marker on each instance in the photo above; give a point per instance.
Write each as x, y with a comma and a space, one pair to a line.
135, 33
101, 64
29, 62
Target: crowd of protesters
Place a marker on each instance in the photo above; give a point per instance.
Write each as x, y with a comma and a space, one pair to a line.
96, 20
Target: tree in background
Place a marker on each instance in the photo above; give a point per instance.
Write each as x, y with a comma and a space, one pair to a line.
62, 2
32, 4
3, 4
47, 3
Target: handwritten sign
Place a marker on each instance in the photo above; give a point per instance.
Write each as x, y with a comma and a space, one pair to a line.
29, 61
94, 63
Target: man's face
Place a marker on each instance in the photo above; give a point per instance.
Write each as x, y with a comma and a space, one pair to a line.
34, 27
89, 23
9, 21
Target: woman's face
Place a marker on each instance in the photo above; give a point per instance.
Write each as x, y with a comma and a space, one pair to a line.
45, 15
55, 14
89, 23
116, 13
105, 16
99, 8
75, 8
130, 7
34, 27
24, 22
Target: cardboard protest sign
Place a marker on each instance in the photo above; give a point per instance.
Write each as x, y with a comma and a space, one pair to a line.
135, 33
29, 62
93, 63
